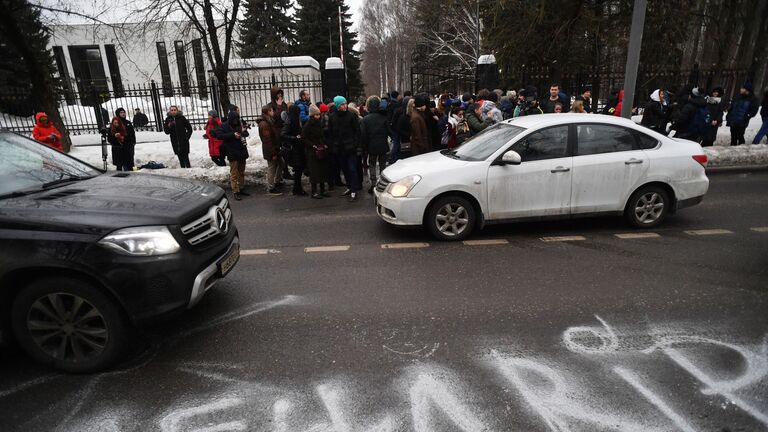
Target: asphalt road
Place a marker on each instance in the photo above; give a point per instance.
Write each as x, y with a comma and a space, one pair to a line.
666, 332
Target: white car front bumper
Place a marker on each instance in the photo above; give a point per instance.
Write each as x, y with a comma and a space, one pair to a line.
400, 211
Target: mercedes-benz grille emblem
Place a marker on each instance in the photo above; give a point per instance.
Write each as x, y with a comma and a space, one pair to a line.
219, 222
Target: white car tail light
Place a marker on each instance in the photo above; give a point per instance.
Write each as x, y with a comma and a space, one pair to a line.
702, 159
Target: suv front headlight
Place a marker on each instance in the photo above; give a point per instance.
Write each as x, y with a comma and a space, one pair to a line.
402, 187
141, 241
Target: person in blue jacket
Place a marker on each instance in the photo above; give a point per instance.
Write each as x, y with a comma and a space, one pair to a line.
303, 103
743, 107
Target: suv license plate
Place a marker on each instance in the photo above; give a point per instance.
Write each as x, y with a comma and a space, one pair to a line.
229, 261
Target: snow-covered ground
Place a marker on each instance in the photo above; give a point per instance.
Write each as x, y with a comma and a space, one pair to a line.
155, 146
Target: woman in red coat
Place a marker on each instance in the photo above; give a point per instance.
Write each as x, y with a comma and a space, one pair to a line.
46, 132
214, 144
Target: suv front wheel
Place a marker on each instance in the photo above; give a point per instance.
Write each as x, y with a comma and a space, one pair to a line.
69, 324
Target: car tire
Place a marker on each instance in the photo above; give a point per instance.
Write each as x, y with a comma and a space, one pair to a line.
451, 218
648, 207
68, 324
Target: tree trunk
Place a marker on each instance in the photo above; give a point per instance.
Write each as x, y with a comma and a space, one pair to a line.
222, 77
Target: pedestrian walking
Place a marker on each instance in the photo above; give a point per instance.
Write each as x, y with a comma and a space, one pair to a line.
231, 134
292, 147
714, 120
122, 137
764, 115
656, 113
374, 130
316, 153
45, 132
420, 134
743, 107
179, 129
270, 148
344, 131
139, 118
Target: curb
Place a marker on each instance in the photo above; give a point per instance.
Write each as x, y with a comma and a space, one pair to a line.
735, 169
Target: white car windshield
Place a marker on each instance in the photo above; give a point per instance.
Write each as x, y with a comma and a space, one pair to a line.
27, 166
486, 143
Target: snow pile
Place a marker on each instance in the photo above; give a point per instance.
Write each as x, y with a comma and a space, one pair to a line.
194, 109
743, 155
150, 149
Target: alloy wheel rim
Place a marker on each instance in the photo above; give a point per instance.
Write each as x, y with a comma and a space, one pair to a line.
67, 327
452, 219
649, 208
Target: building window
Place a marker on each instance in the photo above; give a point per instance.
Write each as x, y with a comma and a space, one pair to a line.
165, 70
197, 54
89, 73
181, 63
114, 71
61, 67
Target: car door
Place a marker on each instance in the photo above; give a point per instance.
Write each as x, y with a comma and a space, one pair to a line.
540, 185
607, 165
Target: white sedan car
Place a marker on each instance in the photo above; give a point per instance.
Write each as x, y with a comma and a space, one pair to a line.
541, 167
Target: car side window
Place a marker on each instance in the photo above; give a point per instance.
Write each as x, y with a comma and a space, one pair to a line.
646, 142
549, 143
599, 138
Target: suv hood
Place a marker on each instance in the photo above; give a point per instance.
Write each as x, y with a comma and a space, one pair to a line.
424, 164
110, 201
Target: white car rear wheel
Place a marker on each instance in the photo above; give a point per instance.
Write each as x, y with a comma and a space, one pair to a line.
648, 207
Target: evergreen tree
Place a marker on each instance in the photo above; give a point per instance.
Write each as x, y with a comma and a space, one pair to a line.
266, 29
315, 19
24, 40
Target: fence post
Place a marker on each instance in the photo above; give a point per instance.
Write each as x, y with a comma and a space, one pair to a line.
155, 97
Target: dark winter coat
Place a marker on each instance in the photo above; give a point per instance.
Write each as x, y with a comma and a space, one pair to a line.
140, 120
587, 104
688, 122
715, 109
180, 130
289, 135
122, 152
279, 109
764, 106
270, 137
374, 131
232, 146
656, 116
344, 131
420, 135
393, 106
476, 124
743, 108
314, 139
548, 106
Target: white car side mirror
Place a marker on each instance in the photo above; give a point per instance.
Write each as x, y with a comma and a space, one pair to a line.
511, 158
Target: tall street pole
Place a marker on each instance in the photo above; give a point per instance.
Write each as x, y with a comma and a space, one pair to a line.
633, 56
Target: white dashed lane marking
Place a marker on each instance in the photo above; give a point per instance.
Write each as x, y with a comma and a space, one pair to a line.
247, 252
563, 238
760, 229
313, 249
404, 245
631, 236
488, 242
708, 232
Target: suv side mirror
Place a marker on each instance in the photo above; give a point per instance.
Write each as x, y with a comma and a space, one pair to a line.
511, 158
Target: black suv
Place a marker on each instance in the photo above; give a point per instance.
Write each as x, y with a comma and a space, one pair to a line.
85, 254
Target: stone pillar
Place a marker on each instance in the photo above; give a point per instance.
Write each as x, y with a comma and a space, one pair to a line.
487, 72
334, 80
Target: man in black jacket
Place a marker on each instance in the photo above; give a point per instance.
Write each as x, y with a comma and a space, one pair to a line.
231, 133
690, 121
374, 130
178, 127
344, 131
139, 118
715, 109
656, 113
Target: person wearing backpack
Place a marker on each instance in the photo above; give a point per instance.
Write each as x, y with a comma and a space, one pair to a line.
715, 110
743, 107
691, 120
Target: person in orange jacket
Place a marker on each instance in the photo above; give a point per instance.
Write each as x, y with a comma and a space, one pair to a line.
46, 132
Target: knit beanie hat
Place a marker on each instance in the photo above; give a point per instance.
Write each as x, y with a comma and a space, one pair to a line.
323, 108
313, 110
748, 86
420, 101
339, 100
213, 113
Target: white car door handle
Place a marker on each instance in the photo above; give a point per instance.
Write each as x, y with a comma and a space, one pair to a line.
560, 169
633, 162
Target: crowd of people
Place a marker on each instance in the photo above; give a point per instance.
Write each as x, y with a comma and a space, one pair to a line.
338, 144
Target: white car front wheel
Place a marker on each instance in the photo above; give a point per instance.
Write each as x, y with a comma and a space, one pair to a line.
451, 218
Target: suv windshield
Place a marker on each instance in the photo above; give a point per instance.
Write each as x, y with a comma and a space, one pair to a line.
484, 144
27, 166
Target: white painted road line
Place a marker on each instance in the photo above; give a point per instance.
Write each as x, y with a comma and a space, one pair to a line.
760, 229
563, 238
404, 245
630, 236
708, 232
326, 249
487, 242
258, 251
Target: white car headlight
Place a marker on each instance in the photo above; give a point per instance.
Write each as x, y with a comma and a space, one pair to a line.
402, 187
141, 241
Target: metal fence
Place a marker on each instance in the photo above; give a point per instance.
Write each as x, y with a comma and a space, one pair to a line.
438, 80
86, 109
